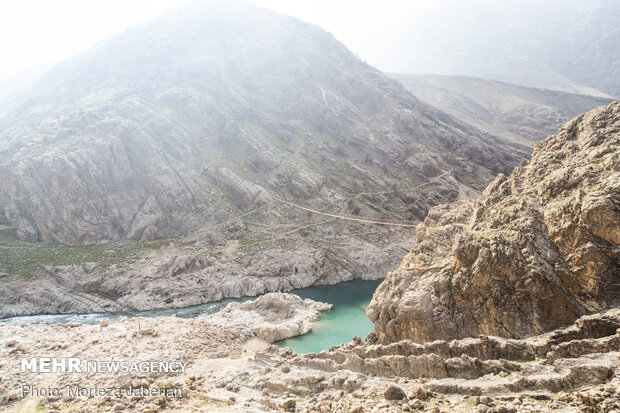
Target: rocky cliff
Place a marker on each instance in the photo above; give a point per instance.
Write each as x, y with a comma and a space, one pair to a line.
538, 249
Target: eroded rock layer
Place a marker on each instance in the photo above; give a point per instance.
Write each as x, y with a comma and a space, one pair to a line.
574, 369
271, 317
537, 250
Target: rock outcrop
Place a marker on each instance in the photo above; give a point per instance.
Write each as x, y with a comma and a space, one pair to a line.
537, 250
271, 317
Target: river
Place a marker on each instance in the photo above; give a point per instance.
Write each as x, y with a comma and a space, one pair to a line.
347, 318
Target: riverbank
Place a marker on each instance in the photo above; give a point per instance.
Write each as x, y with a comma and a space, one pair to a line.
106, 353
569, 370
347, 317
179, 277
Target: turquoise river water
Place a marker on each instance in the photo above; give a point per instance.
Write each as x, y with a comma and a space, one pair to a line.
347, 318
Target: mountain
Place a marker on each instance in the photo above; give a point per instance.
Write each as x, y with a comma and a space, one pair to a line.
518, 114
220, 126
102, 148
537, 250
11, 85
564, 45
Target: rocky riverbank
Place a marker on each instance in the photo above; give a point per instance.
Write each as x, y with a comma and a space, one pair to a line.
575, 369
218, 343
176, 276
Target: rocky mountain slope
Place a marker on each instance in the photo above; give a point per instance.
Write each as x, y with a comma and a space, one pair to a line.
201, 127
519, 114
537, 250
141, 136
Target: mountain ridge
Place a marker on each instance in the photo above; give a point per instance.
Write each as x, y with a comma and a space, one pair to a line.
186, 154
561, 45
520, 115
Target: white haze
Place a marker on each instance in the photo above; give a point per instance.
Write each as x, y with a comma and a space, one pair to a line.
508, 40
42, 32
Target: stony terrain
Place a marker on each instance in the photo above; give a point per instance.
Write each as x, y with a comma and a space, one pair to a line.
521, 115
575, 369
536, 251
173, 276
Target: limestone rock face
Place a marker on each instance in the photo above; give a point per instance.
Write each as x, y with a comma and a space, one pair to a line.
271, 317
537, 250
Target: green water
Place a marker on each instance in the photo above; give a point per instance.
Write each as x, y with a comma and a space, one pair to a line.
347, 318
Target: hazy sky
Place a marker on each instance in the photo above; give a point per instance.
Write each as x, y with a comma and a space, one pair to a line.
34, 32
366, 27
519, 41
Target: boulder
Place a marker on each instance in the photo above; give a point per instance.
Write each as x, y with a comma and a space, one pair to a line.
394, 393
271, 317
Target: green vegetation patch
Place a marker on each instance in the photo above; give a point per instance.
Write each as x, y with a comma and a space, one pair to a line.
26, 260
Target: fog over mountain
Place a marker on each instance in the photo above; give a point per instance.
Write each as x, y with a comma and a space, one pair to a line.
521, 115
219, 96
219, 126
566, 45
569, 45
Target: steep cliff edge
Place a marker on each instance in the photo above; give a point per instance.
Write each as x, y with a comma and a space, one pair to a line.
538, 249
